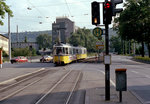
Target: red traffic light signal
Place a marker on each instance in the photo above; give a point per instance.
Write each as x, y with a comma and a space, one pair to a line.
107, 12
107, 5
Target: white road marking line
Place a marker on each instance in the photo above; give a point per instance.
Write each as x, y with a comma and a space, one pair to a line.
135, 72
148, 102
110, 78
147, 76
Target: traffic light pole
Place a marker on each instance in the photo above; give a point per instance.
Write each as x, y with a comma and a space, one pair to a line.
107, 66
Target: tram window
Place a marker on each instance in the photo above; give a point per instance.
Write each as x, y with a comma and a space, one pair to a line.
66, 50
63, 50
80, 51
69, 50
54, 51
74, 51
59, 50
77, 51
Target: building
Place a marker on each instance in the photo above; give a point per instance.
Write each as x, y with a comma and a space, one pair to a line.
4, 43
25, 45
62, 29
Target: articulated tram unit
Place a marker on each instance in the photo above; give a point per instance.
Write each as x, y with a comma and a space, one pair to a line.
65, 53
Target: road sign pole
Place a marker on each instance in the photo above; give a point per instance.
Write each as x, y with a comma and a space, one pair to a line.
107, 66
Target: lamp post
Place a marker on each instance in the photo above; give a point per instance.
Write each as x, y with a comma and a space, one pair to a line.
9, 35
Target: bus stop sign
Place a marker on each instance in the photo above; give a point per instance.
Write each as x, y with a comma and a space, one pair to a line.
97, 32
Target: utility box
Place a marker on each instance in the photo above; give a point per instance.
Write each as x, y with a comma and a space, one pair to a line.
121, 79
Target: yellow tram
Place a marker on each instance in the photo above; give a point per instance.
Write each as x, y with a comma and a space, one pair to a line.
65, 53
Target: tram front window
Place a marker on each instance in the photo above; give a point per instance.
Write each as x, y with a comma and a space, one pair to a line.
59, 51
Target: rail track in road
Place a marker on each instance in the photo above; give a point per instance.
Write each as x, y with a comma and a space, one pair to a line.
16, 87
47, 99
8, 93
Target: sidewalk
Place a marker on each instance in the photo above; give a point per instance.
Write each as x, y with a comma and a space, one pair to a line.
97, 96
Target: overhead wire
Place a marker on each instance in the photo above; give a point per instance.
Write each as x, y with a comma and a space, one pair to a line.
68, 7
54, 4
35, 7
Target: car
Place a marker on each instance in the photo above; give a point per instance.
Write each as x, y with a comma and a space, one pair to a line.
19, 59
46, 58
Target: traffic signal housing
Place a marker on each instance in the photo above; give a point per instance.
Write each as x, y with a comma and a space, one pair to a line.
114, 9
107, 12
95, 13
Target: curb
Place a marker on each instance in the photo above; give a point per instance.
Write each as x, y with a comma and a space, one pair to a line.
138, 97
13, 80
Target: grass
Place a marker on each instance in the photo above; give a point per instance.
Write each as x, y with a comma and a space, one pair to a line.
142, 58
5, 59
91, 54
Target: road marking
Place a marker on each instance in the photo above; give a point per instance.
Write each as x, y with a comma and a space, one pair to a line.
147, 76
148, 102
110, 78
135, 72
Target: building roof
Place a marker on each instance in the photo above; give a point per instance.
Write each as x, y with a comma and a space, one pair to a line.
4, 36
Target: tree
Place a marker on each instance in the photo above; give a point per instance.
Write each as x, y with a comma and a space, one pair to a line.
25, 39
115, 44
83, 37
4, 9
133, 22
44, 41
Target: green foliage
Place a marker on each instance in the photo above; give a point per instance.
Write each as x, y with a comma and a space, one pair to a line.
83, 37
142, 58
4, 54
33, 52
23, 52
115, 44
134, 21
4, 9
20, 52
25, 40
44, 41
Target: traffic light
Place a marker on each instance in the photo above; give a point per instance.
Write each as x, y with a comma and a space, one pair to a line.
95, 13
114, 10
107, 12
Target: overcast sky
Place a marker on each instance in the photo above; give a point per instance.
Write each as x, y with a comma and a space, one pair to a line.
28, 14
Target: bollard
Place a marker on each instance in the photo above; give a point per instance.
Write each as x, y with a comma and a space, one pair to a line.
121, 81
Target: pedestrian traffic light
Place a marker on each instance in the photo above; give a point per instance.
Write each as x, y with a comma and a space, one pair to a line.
114, 10
95, 13
107, 12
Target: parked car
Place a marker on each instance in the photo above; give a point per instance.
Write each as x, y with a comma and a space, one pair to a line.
19, 59
46, 58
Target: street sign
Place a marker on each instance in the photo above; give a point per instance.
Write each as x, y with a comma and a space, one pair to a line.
97, 32
107, 59
99, 45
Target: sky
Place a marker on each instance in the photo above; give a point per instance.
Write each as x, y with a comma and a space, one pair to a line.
38, 15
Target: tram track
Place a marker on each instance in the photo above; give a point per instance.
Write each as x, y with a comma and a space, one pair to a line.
10, 90
8, 93
72, 78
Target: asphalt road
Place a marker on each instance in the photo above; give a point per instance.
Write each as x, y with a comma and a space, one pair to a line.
138, 74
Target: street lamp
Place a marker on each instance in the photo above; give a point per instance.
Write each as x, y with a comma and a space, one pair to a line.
9, 34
